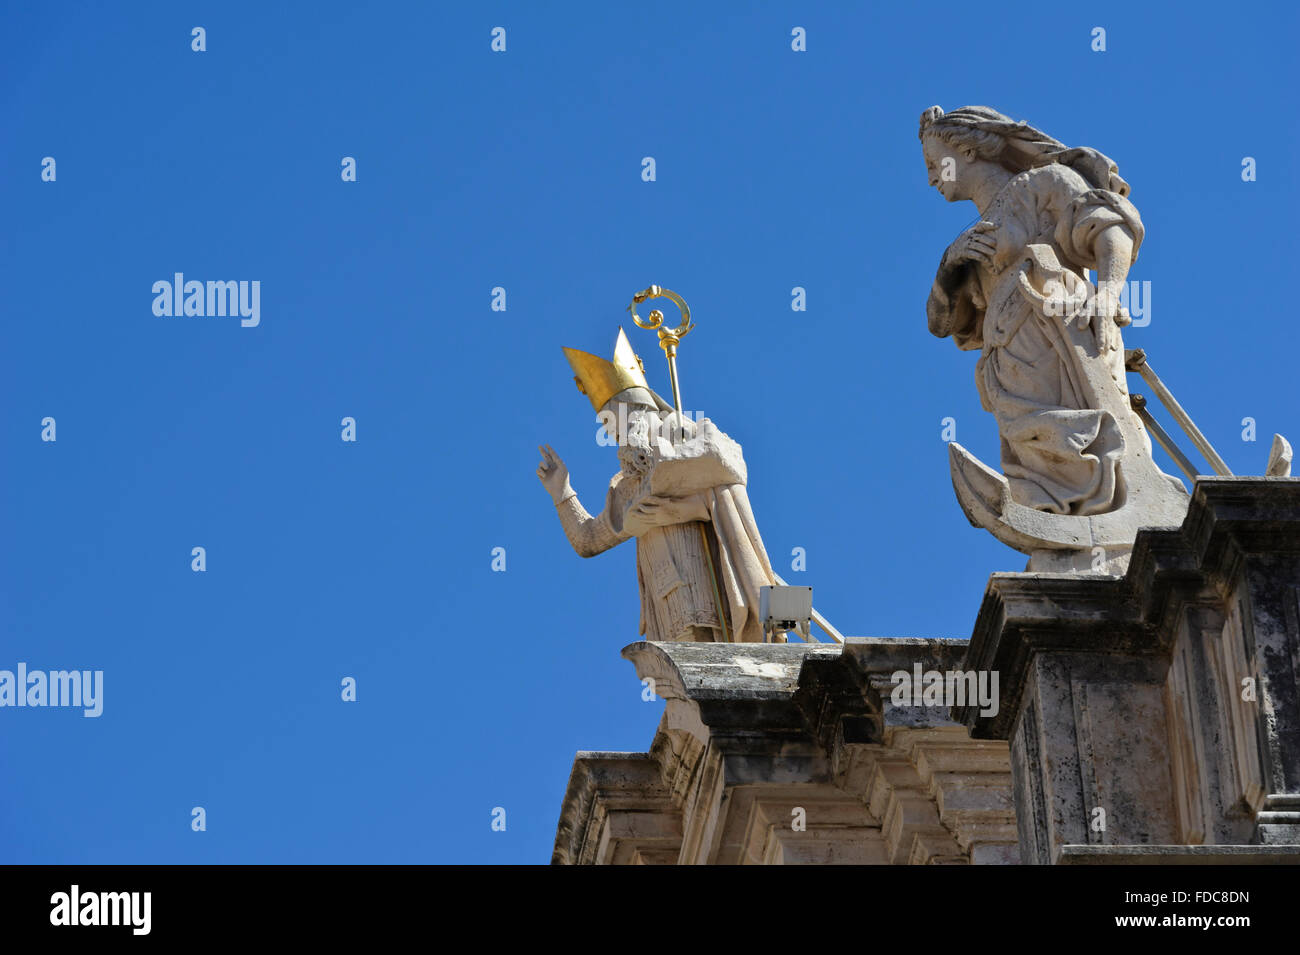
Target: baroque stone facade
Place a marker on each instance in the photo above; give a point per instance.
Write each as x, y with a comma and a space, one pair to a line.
1149, 718
792, 754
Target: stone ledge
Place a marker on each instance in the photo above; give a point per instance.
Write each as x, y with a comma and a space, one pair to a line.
1180, 855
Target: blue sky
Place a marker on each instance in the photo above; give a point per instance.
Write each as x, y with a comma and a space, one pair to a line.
522, 170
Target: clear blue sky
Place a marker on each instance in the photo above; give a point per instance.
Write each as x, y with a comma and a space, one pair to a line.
522, 170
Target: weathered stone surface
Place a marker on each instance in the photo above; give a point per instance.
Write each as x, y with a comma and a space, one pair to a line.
1161, 708
1180, 855
794, 754
618, 800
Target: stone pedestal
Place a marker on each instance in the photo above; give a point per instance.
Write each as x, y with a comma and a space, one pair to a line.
1157, 714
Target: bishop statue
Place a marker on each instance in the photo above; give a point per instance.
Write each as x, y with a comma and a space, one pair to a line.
679, 492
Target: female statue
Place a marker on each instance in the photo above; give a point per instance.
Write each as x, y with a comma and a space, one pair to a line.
1014, 285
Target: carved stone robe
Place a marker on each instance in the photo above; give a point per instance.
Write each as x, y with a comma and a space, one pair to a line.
685, 572
1060, 453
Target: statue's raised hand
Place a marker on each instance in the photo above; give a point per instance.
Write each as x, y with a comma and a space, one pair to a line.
553, 474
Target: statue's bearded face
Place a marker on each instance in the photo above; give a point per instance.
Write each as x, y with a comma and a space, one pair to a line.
625, 418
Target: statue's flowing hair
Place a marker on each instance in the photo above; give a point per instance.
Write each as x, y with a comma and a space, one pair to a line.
989, 135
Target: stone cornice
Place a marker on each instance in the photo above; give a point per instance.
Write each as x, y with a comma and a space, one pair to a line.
598, 774
737, 688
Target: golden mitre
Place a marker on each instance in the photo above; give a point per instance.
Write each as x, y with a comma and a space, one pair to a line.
601, 380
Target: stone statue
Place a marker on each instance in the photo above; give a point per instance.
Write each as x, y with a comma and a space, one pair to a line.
1077, 475
680, 492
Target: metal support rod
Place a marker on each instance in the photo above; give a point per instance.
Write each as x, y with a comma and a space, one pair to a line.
1136, 360
1139, 404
